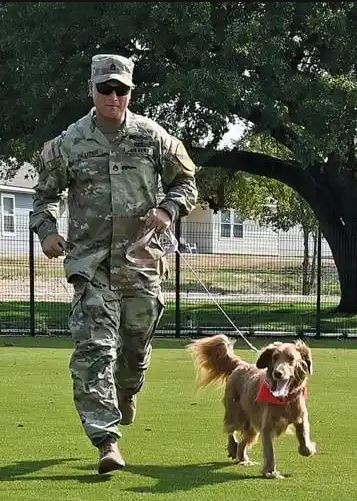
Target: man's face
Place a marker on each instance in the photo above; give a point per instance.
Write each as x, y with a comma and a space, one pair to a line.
111, 104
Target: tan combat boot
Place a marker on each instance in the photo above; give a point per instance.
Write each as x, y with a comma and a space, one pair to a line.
109, 457
127, 406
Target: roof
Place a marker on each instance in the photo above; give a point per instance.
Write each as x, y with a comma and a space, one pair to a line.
25, 178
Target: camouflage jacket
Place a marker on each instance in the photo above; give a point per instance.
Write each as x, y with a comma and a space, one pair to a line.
110, 185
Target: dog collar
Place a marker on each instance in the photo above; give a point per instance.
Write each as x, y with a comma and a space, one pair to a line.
265, 395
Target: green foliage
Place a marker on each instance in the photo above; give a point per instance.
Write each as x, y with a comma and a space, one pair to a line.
222, 189
267, 200
288, 69
274, 204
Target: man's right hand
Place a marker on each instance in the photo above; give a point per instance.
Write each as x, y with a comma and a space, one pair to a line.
54, 246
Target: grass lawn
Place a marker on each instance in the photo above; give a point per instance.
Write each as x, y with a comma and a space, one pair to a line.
290, 317
176, 448
222, 273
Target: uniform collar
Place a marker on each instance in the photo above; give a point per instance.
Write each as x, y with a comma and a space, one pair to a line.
91, 130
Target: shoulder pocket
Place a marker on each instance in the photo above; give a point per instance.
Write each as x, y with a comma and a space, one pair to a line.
51, 154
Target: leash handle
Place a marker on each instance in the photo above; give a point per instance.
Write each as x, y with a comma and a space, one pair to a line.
143, 242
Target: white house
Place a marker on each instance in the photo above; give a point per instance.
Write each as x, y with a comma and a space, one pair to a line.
203, 231
227, 233
15, 205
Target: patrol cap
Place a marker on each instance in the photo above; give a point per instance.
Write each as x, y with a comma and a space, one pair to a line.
112, 67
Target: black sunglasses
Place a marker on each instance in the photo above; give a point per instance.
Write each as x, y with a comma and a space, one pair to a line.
106, 89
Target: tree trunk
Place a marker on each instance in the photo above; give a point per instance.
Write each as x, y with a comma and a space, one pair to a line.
313, 262
309, 271
305, 265
344, 250
329, 188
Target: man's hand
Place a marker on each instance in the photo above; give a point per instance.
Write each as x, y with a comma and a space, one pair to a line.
158, 220
54, 246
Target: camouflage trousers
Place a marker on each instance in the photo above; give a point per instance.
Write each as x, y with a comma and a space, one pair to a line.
112, 335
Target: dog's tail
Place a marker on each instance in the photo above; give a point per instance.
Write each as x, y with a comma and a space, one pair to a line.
214, 358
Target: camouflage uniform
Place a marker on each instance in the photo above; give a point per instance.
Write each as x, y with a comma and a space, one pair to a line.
116, 304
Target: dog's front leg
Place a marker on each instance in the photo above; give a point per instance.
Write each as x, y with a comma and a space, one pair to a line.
232, 446
306, 447
269, 469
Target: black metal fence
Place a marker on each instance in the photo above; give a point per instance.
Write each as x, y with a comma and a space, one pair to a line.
259, 278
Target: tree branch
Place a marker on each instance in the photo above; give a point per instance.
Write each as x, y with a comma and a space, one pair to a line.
307, 182
282, 133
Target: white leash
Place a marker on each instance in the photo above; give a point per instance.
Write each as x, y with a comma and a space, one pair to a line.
174, 247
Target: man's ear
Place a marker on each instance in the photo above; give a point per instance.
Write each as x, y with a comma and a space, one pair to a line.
90, 88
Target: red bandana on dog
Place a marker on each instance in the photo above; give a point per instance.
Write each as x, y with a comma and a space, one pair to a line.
265, 395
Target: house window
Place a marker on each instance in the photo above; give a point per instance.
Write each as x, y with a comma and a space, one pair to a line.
8, 214
226, 223
237, 225
231, 224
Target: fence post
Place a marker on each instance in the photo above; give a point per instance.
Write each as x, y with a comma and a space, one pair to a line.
318, 285
32, 281
177, 281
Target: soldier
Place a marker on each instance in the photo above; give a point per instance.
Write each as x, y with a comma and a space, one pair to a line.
113, 163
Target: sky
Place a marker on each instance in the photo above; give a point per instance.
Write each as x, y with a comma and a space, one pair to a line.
235, 132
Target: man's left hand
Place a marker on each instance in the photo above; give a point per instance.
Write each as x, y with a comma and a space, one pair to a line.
158, 220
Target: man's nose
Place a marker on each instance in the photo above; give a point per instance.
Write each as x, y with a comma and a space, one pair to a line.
113, 95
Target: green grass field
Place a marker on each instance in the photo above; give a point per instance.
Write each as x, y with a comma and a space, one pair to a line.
176, 448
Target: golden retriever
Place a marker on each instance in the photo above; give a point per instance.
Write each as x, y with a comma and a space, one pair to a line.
264, 398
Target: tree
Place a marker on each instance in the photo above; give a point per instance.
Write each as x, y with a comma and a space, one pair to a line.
285, 210
275, 204
288, 69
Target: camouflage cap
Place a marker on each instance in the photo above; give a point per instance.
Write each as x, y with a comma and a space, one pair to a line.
112, 67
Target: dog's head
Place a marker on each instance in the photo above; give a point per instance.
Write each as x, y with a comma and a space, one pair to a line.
287, 364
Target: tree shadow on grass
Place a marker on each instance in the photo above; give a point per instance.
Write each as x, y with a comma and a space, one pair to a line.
167, 342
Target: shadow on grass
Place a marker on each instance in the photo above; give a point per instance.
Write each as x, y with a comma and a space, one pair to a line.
185, 477
169, 479
21, 470
260, 341
294, 317
170, 343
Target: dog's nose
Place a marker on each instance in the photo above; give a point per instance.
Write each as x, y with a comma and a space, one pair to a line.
278, 373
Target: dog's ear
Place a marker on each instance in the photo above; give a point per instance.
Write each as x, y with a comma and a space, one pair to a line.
266, 355
305, 353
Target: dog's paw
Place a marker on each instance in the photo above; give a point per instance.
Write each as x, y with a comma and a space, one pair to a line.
245, 462
273, 474
307, 450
